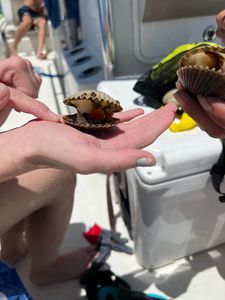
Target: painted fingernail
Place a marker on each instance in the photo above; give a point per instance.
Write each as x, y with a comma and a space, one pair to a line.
145, 162
205, 104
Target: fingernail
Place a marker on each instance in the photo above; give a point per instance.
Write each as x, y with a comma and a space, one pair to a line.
179, 96
179, 85
145, 162
55, 117
61, 120
204, 103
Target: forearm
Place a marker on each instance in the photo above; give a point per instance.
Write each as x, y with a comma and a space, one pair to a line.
15, 154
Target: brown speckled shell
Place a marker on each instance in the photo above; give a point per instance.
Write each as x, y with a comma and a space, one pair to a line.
202, 80
101, 100
69, 120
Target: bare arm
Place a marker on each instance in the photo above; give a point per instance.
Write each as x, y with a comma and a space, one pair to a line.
42, 144
15, 157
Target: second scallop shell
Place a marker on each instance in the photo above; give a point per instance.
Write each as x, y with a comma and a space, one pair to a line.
202, 71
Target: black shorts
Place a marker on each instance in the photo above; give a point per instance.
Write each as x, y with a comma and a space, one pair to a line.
25, 10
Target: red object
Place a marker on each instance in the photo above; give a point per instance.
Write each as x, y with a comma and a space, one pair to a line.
92, 234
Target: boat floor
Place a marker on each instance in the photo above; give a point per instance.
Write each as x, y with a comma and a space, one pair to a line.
199, 277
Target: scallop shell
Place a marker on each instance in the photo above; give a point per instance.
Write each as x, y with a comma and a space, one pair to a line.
91, 103
202, 71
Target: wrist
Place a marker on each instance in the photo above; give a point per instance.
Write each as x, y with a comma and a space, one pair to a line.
17, 154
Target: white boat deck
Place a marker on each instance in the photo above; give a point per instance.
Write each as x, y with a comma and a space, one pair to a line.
199, 277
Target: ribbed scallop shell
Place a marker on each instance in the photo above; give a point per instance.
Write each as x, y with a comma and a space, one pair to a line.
100, 100
206, 76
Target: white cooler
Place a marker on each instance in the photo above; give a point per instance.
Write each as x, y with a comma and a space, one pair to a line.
174, 209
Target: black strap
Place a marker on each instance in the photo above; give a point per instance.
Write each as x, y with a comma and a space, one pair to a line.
112, 219
217, 173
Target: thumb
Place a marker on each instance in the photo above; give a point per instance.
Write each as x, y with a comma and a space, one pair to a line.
4, 95
24, 103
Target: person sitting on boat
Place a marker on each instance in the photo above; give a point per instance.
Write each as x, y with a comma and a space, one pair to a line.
31, 14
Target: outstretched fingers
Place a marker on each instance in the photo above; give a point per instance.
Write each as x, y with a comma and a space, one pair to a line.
143, 131
107, 160
128, 115
24, 103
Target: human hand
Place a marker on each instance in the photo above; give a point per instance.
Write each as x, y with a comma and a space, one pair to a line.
60, 146
208, 112
20, 85
220, 19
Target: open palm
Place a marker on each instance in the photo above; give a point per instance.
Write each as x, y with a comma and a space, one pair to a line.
60, 146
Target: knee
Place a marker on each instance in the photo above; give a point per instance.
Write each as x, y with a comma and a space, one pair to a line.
66, 189
41, 24
27, 23
68, 181
70, 178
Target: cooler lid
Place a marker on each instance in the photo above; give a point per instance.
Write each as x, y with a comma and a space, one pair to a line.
175, 23
178, 154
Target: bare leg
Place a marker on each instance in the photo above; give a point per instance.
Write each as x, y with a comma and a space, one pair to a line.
13, 244
45, 199
21, 31
41, 24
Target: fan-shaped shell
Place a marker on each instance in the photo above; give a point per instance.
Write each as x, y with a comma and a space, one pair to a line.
94, 110
202, 71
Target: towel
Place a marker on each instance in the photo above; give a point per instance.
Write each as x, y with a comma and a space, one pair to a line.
53, 9
72, 9
11, 287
